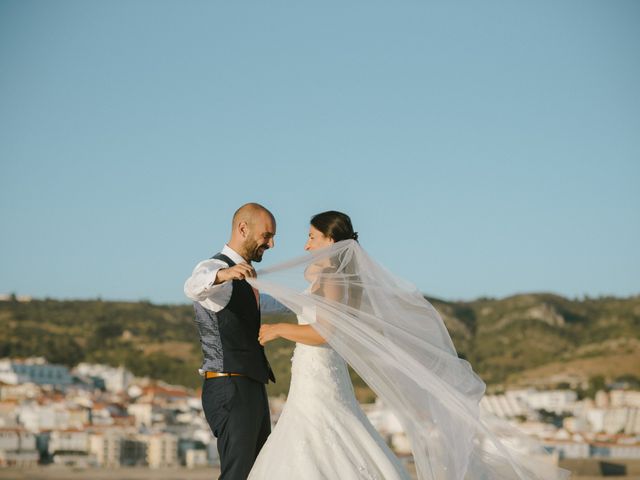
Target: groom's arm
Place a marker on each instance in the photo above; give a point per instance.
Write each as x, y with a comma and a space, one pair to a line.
203, 284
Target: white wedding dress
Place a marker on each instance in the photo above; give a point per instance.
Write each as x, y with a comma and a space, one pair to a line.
322, 433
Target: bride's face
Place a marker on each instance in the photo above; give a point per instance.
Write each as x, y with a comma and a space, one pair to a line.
317, 239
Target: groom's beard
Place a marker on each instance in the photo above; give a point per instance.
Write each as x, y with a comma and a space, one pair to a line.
255, 250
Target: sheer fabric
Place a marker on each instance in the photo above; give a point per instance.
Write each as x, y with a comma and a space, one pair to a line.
397, 342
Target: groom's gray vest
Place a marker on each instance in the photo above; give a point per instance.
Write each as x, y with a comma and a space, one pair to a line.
229, 338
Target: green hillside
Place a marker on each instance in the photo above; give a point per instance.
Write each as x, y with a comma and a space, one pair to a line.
530, 338
537, 337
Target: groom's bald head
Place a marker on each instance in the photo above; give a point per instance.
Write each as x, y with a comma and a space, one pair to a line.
249, 213
252, 230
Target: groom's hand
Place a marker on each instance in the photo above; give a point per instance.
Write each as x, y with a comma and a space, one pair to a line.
237, 272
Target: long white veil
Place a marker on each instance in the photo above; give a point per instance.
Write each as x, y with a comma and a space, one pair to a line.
397, 342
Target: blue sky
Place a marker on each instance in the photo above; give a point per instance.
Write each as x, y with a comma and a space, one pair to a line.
480, 149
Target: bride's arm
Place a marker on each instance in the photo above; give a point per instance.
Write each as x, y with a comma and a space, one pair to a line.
296, 333
302, 333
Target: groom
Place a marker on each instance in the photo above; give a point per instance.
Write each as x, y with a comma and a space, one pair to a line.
235, 368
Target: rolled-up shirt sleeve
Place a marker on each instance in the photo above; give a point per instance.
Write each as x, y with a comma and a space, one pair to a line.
200, 287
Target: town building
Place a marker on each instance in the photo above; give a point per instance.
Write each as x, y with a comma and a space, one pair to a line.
162, 450
17, 448
34, 370
116, 379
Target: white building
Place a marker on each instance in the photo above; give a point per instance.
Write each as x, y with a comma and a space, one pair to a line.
538, 429
557, 401
601, 399
36, 417
146, 414
614, 420
19, 458
8, 414
503, 406
616, 450
382, 418
71, 448
70, 440
212, 452
116, 447
625, 398
9, 375
162, 450
8, 297
400, 443
35, 370
20, 391
17, 448
632, 426
568, 449
16, 439
101, 415
196, 458
576, 424
106, 447
116, 380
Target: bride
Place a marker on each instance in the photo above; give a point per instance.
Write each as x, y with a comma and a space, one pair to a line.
322, 432
350, 309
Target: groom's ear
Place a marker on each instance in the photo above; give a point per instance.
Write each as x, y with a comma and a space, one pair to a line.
243, 229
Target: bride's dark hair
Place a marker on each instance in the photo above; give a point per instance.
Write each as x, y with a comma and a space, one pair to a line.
335, 225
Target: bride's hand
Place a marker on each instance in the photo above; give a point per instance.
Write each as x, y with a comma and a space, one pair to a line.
268, 333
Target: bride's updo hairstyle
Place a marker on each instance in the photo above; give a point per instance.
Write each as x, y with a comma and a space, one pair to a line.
335, 225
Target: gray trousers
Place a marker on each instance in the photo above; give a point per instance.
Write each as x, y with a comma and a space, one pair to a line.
237, 411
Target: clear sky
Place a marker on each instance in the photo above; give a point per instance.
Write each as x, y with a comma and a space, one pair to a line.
481, 148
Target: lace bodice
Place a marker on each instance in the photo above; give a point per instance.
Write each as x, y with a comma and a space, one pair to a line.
319, 371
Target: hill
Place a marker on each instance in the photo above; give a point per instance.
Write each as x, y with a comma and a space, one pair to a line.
523, 339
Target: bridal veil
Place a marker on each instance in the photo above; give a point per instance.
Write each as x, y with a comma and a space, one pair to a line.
397, 342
